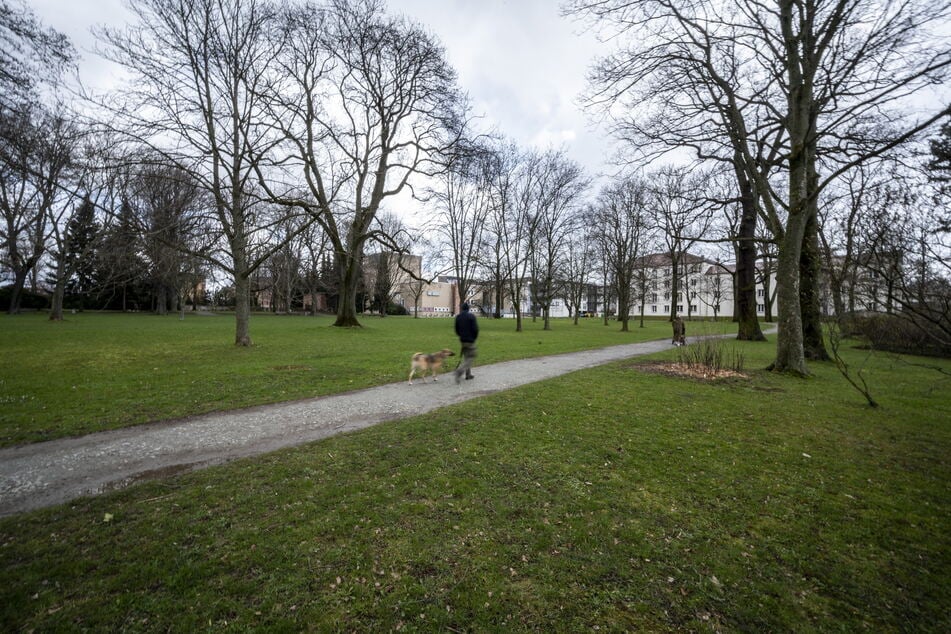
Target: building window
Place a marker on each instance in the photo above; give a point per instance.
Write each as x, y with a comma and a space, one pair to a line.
654, 297
666, 283
680, 308
666, 308
693, 308
654, 308
666, 295
760, 292
761, 308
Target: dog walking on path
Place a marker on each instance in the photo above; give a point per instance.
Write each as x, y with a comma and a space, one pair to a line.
428, 362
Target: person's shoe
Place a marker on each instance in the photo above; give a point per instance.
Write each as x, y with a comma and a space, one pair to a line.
458, 377
469, 376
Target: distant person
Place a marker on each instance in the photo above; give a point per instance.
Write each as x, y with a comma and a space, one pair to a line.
680, 332
467, 330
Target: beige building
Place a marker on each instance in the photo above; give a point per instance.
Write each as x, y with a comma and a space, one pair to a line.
403, 280
439, 298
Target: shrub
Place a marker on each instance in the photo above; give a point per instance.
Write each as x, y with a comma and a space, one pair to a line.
710, 354
900, 333
396, 309
28, 299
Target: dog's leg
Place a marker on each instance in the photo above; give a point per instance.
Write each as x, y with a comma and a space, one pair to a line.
412, 371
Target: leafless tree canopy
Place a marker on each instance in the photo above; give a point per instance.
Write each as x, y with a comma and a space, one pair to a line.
792, 92
360, 102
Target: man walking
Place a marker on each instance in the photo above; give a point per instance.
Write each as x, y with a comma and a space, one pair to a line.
468, 331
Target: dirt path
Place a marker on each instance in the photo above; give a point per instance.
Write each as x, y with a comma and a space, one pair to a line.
44, 474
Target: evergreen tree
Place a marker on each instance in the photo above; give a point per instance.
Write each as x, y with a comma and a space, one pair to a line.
82, 231
120, 270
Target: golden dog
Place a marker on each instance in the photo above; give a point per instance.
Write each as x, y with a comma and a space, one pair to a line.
425, 362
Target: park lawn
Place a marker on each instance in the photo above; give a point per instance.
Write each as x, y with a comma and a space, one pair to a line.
611, 499
98, 371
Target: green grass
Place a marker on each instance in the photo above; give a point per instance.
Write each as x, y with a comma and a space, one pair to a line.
609, 498
102, 371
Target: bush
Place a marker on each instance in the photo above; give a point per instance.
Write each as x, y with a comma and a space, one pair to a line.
28, 299
709, 353
899, 333
396, 309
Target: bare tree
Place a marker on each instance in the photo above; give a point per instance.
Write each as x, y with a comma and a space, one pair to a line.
501, 166
907, 263
561, 185
624, 225
462, 206
193, 100
736, 199
515, 227
31, 56
315, 256
74, 239
842, 222
580, 261
39, 152
775, 87
682, 217
388, 107
170, 214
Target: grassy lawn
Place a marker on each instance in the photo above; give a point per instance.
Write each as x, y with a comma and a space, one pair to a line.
610, 499
102, 371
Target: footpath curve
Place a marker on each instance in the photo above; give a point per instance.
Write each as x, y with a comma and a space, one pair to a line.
48, 473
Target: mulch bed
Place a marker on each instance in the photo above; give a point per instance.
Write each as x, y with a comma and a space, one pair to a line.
696, 372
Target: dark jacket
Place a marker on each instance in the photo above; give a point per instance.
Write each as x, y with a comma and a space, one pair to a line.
466, 327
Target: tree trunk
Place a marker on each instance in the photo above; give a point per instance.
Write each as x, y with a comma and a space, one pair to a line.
789, 347
745, 276
56, 301
242, 291
347, 302
16, 293
790, 356
623, 310
242, 311
674, 284
810, 266
161, 299
63, 273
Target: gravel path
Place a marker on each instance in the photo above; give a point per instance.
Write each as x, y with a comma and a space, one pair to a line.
48, 473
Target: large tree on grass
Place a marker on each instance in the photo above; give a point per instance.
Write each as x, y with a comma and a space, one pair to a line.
193, 99
361, 102
792, 92
39, 153
624, 225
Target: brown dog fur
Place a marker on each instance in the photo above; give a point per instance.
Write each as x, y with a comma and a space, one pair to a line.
428, 362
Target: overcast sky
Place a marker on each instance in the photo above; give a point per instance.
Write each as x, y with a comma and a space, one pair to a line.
521, 63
